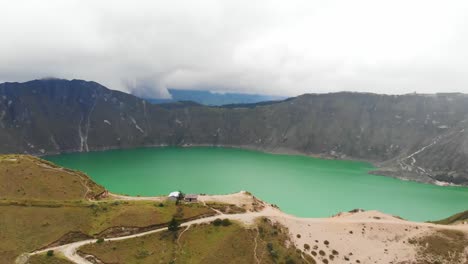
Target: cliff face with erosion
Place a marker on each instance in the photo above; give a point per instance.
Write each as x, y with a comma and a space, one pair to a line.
417, 137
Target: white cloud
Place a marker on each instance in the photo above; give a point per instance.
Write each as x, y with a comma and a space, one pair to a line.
273, 47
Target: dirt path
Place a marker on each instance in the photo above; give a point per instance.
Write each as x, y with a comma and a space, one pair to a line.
70, 250
137, 198
255, 247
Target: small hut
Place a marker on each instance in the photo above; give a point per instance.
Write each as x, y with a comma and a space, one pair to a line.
191, 197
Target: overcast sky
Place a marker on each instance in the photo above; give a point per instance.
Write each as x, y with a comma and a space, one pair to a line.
269, 47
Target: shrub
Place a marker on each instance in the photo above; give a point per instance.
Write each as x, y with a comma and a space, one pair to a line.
50, 253
217, 222
306, 246
100, 240
270, 246
173, 225
142, 253
226, 222
272, 251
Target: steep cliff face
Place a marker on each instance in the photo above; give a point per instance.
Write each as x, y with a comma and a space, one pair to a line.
419, 137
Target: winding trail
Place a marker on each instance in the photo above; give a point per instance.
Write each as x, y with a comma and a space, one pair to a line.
255, 247
136, 198
405, 166
70, 250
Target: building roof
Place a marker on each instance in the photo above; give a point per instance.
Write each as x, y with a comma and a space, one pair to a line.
174, 194
191, 196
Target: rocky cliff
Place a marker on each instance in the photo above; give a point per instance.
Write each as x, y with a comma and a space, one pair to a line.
418, 137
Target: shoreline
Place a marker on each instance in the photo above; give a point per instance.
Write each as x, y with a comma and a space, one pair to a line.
278, 151
232, 198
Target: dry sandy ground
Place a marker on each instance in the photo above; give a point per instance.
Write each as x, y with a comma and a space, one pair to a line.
367, 237
241, 199
370, 237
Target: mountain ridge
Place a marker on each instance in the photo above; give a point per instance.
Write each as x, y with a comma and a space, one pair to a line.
415, 137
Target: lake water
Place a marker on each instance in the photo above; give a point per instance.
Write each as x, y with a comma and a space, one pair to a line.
299, 185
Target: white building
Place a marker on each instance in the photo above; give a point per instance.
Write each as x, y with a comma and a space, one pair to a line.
173, 196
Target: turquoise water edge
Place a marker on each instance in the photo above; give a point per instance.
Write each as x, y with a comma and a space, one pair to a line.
299, 185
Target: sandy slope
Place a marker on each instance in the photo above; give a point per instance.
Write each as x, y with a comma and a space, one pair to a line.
370, 236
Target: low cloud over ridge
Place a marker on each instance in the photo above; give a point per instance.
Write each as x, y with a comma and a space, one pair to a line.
269, 47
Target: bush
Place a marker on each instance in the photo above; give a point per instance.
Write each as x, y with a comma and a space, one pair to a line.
217, 222
270, 246
142, 253
50, 253
100, 240
173, 225
289, 260
306, 246
272, 252
224, 222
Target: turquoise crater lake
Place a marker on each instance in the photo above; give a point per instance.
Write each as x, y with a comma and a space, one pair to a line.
299, 185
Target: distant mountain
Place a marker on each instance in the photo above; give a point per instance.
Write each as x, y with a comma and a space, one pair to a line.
416, 137
214, 99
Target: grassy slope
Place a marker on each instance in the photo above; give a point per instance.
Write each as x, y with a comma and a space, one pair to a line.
441, 246
43, 259
40, 203
204, 243
454, 219
28, 177
25, 228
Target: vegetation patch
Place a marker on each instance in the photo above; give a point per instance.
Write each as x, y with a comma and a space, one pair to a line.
45, 259
24, 228
204, 243
279, 248
441, 246
28, 177
454, 219
227, 208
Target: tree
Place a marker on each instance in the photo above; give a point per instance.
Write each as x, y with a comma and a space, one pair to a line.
50, 253
180, 197
173, 225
